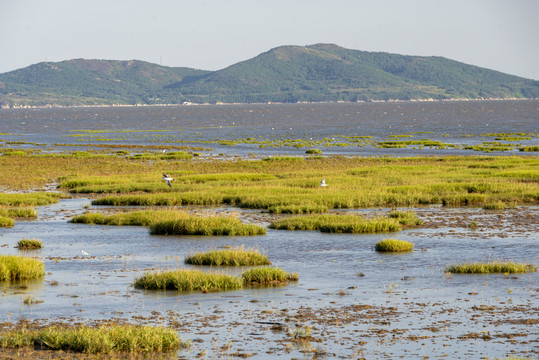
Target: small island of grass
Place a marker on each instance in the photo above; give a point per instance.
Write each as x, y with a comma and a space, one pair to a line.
15, 268
238, 256
27, 244
394, 245
267, 275
499, 267
106, 339
187, 280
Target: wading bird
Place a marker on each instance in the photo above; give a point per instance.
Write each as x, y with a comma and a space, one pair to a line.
168, 179
323, 182
84, 252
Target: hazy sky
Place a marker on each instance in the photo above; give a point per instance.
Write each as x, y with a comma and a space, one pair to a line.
212, 34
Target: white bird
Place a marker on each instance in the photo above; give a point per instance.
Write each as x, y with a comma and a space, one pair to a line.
164, 151
323, 182
168, 179
84, 252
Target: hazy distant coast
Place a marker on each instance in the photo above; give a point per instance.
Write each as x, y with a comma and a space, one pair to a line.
16, 106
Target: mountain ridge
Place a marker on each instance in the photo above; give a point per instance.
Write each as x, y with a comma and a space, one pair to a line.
315, 73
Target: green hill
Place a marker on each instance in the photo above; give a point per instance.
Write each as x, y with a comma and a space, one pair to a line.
322, 72
89, 82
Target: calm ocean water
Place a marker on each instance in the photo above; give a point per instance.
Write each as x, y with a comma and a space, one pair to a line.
456, 122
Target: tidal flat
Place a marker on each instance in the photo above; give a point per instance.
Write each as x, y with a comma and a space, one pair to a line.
349, 301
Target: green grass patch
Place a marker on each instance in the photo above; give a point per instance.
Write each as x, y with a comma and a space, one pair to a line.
406, 218
406, 143
491, 146
28, 199
283, 186
187, 280
513, 138
214, 225
18, 212
238, 256
394, 245
491, 267
169, 222
106, 339
498, 205
267, 275
313, 151
284, 159
6, 222
15, 268
532, 148
26, 244
131, 218
338, 224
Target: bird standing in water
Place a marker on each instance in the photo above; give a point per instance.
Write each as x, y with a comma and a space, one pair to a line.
168, 179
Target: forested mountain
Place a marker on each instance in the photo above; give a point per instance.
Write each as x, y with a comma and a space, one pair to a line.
322, 72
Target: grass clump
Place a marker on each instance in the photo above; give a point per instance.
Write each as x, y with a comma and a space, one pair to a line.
533, 148
168, 222
6, 222
498, 205
103, 340
508, 267
132, 218
267, 275
28, 199
26, 244
215, 225
338, 224
406, 218
313, 152
18, 212
394, 245
238, 256
284, 159
187, 280
15, 268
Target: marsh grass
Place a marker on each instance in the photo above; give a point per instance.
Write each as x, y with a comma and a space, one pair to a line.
31, 300
28, 199
169, 222
406, 218
187, 280
508, 267
214, 225
103, 340
131, 218
285, 186
6, 222
394, 245
267, 275
26, 244
529, 148
498, 205
15, 268
18, 212
292, 159
238, 256
338, 224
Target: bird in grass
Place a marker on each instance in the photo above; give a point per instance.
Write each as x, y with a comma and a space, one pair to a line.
84, 252
168, 179
323, 182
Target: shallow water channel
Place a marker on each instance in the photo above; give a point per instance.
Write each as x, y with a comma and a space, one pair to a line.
356, 302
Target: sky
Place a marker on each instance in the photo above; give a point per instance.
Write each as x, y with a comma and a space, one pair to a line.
501, 35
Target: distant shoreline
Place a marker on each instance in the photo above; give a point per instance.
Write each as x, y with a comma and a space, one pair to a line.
55, 106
